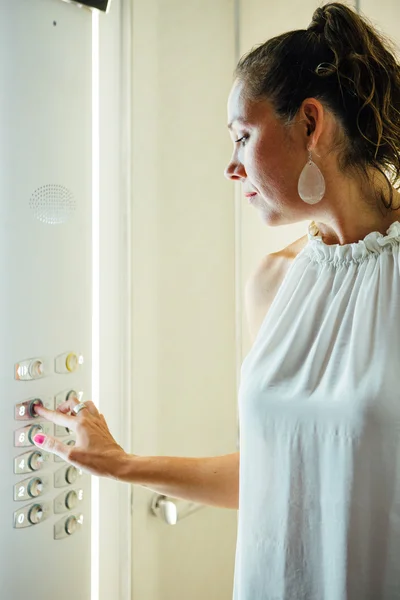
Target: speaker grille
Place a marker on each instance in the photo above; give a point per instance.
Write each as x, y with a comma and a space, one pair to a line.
52, 204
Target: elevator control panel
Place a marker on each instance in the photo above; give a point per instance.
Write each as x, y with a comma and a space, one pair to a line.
48, 487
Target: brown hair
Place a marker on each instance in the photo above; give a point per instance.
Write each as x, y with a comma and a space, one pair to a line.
351, 68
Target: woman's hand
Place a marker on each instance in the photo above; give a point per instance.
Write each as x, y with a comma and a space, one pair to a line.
95, 449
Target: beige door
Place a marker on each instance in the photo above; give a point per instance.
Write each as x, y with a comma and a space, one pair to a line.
183, 327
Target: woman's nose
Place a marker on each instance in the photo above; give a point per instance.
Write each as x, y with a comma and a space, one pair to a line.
235, 171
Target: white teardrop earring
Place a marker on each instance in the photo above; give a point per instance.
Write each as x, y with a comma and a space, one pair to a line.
311, 186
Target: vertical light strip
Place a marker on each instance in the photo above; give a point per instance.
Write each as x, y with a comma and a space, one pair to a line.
95, 504
126, 495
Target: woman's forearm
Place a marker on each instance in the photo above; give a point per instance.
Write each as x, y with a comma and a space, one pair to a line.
213, 481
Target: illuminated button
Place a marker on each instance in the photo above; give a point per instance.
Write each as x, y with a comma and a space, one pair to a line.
33, 431
35, 514
72, 362
36, 402
35, 487
71, 500
36, 369
71, 474
71, 525
71, 443
35, 461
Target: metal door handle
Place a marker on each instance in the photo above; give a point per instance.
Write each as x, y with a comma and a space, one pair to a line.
167, 510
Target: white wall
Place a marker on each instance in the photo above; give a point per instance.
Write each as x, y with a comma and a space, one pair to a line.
385, 16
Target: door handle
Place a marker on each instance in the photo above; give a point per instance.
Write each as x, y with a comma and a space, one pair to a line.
171, 510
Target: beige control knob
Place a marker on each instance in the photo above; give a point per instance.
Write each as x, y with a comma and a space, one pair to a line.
35, 514
71, 525
33, 431
36, 369
71, 500
71, 474
35, 487
35, 461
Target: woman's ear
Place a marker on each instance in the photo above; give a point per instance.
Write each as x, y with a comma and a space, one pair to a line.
313, 114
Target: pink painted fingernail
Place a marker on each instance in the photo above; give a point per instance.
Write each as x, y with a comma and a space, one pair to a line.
39, 438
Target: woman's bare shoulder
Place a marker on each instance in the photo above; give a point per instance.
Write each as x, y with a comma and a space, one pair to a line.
263, 285
293, 249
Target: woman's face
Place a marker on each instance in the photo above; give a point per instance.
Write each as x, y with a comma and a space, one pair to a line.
267, 160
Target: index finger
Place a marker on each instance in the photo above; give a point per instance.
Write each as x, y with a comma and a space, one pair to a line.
56, 417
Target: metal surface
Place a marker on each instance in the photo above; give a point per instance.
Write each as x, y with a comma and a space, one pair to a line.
45, 276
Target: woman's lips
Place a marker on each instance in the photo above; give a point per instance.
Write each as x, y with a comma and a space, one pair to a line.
251, 196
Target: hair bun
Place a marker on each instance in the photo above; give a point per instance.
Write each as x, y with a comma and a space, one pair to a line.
318, 22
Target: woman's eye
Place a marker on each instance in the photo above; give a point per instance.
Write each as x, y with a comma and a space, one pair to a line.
242, 140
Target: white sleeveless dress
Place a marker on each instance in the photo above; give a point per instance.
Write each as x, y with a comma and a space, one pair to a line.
319, 413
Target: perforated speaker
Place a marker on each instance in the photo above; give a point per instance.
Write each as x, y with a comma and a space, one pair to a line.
52, 204
103, 5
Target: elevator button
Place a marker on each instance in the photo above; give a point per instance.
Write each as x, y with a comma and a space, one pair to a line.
67, 526
71, 525
35, 461
31, 488
66, 475
36, 402
73, 394
68, 500
35, 487
32, 515
31, 461
72, 362
71, 474
24, 437
67, 394
25, 411
30, 369
69, 362
36, 369
71, 500
35, 514
33, 431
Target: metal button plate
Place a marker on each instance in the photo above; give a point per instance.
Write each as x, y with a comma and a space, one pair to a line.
28, 488
37, 512
68, 500
60, 476
24, 462
67, 526
22, 411
23, 436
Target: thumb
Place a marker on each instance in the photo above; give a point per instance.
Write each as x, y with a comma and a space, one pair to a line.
51, 444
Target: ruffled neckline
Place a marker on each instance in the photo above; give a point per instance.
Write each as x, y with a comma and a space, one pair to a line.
373, 243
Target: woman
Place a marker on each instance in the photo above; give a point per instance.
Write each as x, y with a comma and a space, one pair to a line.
314, 117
